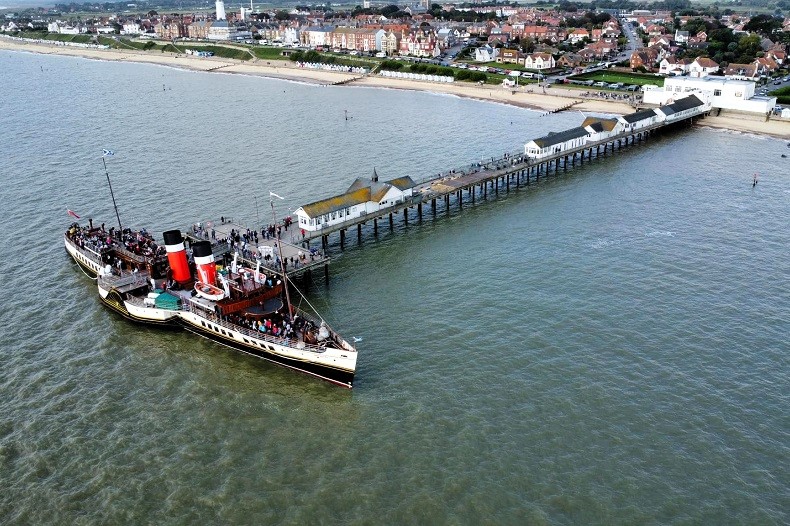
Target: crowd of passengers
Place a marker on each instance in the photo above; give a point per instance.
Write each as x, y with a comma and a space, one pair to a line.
276, 325
99, 240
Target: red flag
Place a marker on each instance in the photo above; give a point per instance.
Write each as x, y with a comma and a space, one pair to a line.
72, 214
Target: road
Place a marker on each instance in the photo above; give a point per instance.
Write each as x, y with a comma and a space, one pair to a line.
634, 41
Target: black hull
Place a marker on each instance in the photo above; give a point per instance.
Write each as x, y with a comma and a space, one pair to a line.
329, 374
342, 378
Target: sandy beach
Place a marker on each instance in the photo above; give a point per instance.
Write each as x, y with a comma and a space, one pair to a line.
531, 97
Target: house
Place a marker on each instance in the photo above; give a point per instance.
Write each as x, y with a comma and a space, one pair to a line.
670, 65
314, 37
509, 56
569, 60
556, 142
390, 43
577, 35
599, 128
199, 29
446, 37
170, 30
539, 61
702, 67
421, 43
291, 35
131, 28
742, 71
681, 37
766, 65
662, 40
778, 55
221, 30
486, 53
642, 59
363, 197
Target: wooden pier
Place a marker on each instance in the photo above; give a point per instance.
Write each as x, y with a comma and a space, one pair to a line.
478, 180
299, 261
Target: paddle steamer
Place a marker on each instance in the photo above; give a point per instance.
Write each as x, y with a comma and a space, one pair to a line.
236, 306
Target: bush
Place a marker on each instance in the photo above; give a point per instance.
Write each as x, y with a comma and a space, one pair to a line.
391, 65
462, 75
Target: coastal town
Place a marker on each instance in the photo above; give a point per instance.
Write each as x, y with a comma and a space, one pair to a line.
536, 56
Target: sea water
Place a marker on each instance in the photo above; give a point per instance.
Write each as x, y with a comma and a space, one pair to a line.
608, 346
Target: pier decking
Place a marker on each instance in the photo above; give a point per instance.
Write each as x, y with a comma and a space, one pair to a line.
298, 260
478, 179
595, 139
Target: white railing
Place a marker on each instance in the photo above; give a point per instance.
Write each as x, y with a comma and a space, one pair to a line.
257, 335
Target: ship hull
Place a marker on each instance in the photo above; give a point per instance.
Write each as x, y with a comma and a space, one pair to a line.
87, 262
236, 341
306, 362
157, 317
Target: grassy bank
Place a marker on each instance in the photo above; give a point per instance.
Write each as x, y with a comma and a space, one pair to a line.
623, 78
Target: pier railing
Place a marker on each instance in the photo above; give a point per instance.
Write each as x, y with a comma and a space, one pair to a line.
484, 171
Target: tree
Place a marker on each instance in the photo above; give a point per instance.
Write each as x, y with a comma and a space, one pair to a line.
389, 10
763, 24
748, 46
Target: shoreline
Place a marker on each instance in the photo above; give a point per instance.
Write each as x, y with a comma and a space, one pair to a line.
546, 100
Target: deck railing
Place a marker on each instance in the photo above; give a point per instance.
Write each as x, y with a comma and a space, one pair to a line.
288, 342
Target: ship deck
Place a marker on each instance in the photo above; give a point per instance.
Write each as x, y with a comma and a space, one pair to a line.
304, 259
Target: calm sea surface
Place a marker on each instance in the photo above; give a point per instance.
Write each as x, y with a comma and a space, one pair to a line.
606, 347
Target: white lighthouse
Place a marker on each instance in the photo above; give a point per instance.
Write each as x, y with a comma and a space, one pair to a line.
220, 10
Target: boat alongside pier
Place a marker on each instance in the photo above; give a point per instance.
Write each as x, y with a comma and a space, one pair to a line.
244, 303
242, 307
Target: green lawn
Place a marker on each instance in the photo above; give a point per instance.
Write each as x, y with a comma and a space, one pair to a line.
82, 39
623, 78
268, 53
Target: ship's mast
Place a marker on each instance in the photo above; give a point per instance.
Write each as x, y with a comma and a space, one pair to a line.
272, 195
107, 173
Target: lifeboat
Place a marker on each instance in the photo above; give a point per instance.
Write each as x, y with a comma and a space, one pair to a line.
210, 292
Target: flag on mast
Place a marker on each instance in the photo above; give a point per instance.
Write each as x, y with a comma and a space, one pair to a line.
272, 194
105, 153
72, 214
